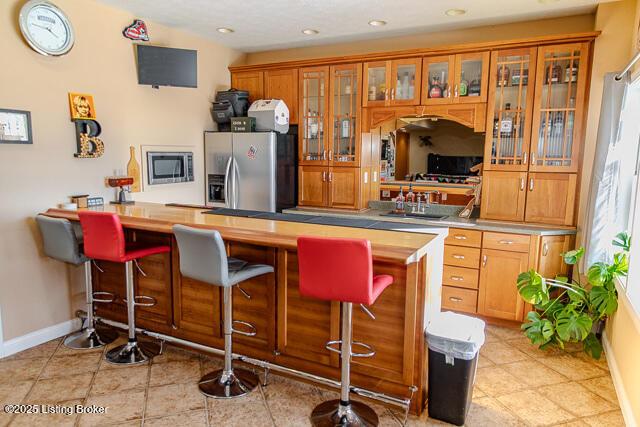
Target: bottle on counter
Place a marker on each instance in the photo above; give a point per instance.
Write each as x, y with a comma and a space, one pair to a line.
400, 201
435, 91
411, 197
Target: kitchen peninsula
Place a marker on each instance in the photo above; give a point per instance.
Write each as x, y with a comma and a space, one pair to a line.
291, 330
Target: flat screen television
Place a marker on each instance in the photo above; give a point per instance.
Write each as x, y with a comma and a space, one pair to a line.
163, 66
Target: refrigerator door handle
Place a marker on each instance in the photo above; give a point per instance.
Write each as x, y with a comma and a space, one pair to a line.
236, 181
227, 200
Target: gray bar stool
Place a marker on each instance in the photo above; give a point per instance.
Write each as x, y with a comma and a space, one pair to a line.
203, 257
62, 243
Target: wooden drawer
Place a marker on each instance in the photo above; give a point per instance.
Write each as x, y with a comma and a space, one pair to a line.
461, 256
462, 237
459, 299
506, 242
460, 277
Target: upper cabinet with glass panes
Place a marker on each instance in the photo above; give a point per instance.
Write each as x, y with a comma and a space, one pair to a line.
558, 108
395, 82
314, 100
344, 107
454, 79
511, 88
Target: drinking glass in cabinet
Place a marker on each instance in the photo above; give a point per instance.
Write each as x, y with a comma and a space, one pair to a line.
377, 83
438, 80
405, 82
470, 77
345, 110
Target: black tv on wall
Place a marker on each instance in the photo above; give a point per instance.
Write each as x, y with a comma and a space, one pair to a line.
163, 66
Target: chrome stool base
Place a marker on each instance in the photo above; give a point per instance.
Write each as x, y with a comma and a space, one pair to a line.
331, 413
238, 383
132, 353
87, 339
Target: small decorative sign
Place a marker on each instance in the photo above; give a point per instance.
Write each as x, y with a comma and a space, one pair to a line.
137, 31
15, 127
252, 152
88, 144
81, 106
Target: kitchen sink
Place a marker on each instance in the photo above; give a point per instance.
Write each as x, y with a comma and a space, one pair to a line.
416, 215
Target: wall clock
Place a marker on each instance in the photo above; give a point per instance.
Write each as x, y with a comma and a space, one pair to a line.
46, 28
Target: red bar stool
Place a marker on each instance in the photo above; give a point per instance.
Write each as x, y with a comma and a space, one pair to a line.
104, 241
321, 264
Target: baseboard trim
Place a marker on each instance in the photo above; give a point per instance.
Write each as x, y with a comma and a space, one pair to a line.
616, 376
40, 336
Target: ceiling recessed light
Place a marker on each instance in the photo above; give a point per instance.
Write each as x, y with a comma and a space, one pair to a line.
377, 23
225, 30
455, 12
310, 31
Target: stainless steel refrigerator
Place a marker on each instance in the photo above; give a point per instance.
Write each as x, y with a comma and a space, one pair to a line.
252, 171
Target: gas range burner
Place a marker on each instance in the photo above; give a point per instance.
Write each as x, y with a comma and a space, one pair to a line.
443, 179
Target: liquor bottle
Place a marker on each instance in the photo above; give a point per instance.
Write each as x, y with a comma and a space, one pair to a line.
411, 197
464, 86
444, 85
412, 88
400, 201
474, 87
571, 73
399, 93
435, 91
503, 75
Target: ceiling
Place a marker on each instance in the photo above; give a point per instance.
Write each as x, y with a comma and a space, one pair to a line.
276, 24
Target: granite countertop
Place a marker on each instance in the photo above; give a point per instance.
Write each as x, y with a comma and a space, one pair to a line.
450, 219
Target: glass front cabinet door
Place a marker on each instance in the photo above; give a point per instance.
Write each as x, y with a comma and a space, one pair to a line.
376, 84
313, 115
470, 85
344, 108
394, 82
559, 107
511, 83
437, 79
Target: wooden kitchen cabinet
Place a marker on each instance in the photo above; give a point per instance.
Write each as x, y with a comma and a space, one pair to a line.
498, 292
314, 114
503, 195
313, 186
344, 187
443, 78
344, 113
252, 81
550, 261
437, 79
283, 84
559, 106
395, 82
551, 198
509, 108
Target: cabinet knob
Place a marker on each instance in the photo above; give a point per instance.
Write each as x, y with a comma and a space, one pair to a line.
530, 184
458, 256
455, 299
324, 176
505, 242
521, 184
457, 278
484, 260
460, 237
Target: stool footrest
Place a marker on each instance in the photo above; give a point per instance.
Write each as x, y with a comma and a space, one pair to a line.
252, 329
137, 301
370, 352
105, 297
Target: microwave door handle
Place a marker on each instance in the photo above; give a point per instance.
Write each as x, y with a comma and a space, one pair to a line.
227, 183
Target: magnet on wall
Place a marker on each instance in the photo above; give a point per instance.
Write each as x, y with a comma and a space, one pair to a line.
137, 31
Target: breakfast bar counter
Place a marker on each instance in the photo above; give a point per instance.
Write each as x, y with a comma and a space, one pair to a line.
291, 330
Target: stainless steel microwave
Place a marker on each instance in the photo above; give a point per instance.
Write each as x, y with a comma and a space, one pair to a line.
169, 167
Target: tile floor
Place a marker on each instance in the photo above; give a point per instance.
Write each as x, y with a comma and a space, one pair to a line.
516, 385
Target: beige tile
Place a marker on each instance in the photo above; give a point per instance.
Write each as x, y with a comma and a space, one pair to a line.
576, 399
603, 387
63, 416
534, 408
504, 333
524, 345
191, 419
173, 354
490, 337
120, 407
60, 366
60, 389
484, 362
533, 374
66, 351
182, 371
601, 363
291, 402
170, 399
489, 412
477, 393
20, 369
500, 353
495, 381
571, 367
210, 364
117, 380
14, 392
43, 350
249, 410
576, 423
610, 419
385, 417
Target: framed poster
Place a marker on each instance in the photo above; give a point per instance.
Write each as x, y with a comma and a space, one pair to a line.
81, 106
15, 127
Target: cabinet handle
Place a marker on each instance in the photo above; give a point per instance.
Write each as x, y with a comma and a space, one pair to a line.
460, 237
506, 242
530, 184
393, 94
324, 176
521, 184
324, 155
386, 94
330, 154
375, 176
456, 278
484, 260
533, 158
455, 91
524, 158
457, 256
545, 249
455, 299
330, 176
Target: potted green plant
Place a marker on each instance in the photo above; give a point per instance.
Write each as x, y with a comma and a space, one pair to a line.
570, 311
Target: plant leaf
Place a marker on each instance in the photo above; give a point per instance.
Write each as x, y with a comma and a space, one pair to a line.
622, 240
538, 330
572, 257
551, 308
620, 266
598, 274
572, 325
604, 300
592, 346
532, 287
